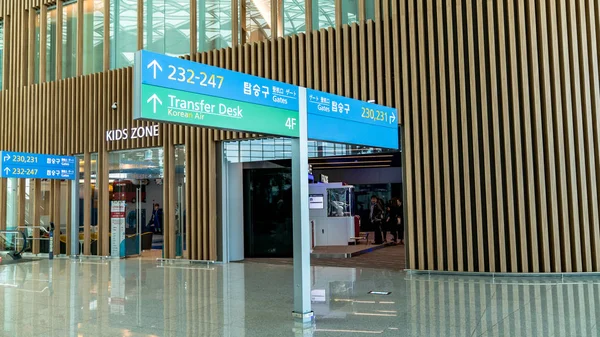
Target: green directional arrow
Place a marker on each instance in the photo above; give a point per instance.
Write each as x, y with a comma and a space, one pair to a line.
174, 106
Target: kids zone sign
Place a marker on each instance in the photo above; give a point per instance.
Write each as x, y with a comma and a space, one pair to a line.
132, 133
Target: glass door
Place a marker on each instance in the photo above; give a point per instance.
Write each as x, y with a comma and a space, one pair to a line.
133, 224
136, 177
179, 223
180, 226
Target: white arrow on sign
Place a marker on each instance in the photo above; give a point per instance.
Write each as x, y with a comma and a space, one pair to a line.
154, 64
7, 170
7, 157
392, 118
155, 99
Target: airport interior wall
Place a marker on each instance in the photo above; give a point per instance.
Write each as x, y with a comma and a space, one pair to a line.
499, 103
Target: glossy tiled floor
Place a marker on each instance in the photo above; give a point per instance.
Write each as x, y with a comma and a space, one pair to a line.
141, 298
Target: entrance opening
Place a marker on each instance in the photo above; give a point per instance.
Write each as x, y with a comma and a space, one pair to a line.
136, 179
342, 181
268, 210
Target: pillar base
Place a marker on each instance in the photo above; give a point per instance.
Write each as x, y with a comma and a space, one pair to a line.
308, 317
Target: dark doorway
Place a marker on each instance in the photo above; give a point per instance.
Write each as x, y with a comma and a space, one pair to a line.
268, 212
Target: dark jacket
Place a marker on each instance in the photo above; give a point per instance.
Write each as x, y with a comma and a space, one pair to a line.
157, 218
394, 214
376, 214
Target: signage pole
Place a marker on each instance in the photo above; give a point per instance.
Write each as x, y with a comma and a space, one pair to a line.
11, 215
75, 212
302, 238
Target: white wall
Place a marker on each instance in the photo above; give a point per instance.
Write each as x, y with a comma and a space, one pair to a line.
154, 194
235, 211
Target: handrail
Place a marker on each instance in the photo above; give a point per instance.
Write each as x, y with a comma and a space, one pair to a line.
16, 255
44, 229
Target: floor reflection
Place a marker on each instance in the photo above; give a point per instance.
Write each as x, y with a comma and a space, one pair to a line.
143, 298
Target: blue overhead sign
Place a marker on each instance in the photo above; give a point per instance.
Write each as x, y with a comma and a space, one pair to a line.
36, 166
173, 90
344, 120
175, 73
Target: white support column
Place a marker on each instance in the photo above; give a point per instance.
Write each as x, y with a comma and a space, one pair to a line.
302, 233
12, 208
75, 212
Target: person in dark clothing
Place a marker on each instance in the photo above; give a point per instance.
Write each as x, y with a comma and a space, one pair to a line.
394, 220
157, 218
401, 222
376, 217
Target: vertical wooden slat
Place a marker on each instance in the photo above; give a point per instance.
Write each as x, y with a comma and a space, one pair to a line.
434, 219
324, 73
419, 223
465, 141
194, 26
526, 91
558, 134
362, 15
507, 155
497, 143
410, 203
567, 108
203, 233
316, 69
587, 157
455, 149
552, 257
31, 40
275, 33
391, 82
365, 43
474, 143
212, 202
537, 135
594, 39
356, 50
140, 22
338, 13
379, 90
516, 130
235, 27
333, 74
488, 217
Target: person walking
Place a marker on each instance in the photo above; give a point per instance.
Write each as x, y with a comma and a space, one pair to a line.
376, 217
157, 219
400, 217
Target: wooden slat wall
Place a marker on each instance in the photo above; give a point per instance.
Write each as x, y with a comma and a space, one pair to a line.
498, 100
514, 85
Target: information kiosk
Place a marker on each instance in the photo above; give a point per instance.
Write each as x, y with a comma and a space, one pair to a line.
331, 211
